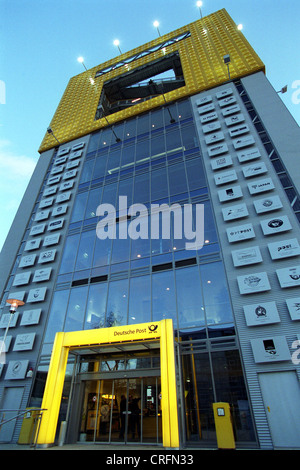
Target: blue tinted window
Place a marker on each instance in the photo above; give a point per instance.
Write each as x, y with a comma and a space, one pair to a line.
102, 252
130, 129
94, 142
156, 120
87, 171
109, 194
143, 124
85, 250
76, 309
57, 314
116, 312
125, 189
163, 296
189, 138
189, 298
177, 178
113, 162
140, 248
142, 152
79, 207
195, 174
100, 166
69, 255
215, 293
173, 141
120, 250
157, 146
210, 233
141, 192
93, 202
139, 300
106, 137
127, 160
96, 304
184, 109
159, 184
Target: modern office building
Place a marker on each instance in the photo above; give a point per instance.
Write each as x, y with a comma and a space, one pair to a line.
152, 334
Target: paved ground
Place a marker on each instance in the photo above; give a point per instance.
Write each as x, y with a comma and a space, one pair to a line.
83, 447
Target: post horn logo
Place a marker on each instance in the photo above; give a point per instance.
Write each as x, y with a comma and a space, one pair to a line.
152, 328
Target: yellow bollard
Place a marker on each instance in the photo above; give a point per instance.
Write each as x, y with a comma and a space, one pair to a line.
223, 423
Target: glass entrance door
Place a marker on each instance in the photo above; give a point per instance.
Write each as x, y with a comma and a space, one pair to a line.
121, 410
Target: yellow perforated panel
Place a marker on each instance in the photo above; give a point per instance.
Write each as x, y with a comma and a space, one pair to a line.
202, 62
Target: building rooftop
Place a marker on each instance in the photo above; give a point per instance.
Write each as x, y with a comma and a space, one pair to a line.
178, 64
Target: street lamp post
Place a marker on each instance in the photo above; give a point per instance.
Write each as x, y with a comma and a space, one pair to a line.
199, 5
117, 43
156, 25
81, 61
50, 131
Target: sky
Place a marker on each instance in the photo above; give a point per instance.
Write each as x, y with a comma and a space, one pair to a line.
40, 41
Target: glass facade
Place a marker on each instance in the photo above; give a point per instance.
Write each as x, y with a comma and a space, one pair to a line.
112, 282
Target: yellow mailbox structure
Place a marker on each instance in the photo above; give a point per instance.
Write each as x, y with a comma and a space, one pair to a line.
223, 423
161, 331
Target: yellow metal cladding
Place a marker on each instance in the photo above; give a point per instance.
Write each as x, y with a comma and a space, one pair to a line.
202, 62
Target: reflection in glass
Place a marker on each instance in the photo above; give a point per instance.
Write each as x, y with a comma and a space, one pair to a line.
113, 162
130, 129
93, 202
143, 124
100, 165
127, 160
210, 234
121, 247
79, 207
116, 312
230, 388
173, 141
199, 397
158, 147
69, 255
189, 298
177, 179
140, 248
85, 251
109, 194
76, 309
156, 120
87, 171
141, 188
140, 300
57, 314
215, 294
163, 297
102, 252
95, 311
142, 152
195, 174
125, 189
94, 142
159, 184
189, 138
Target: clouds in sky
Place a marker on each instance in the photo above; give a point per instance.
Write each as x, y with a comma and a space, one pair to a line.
15, 173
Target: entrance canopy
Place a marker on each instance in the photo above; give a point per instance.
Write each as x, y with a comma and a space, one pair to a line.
137, 337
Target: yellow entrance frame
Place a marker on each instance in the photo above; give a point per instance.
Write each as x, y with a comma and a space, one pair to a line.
65, 342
